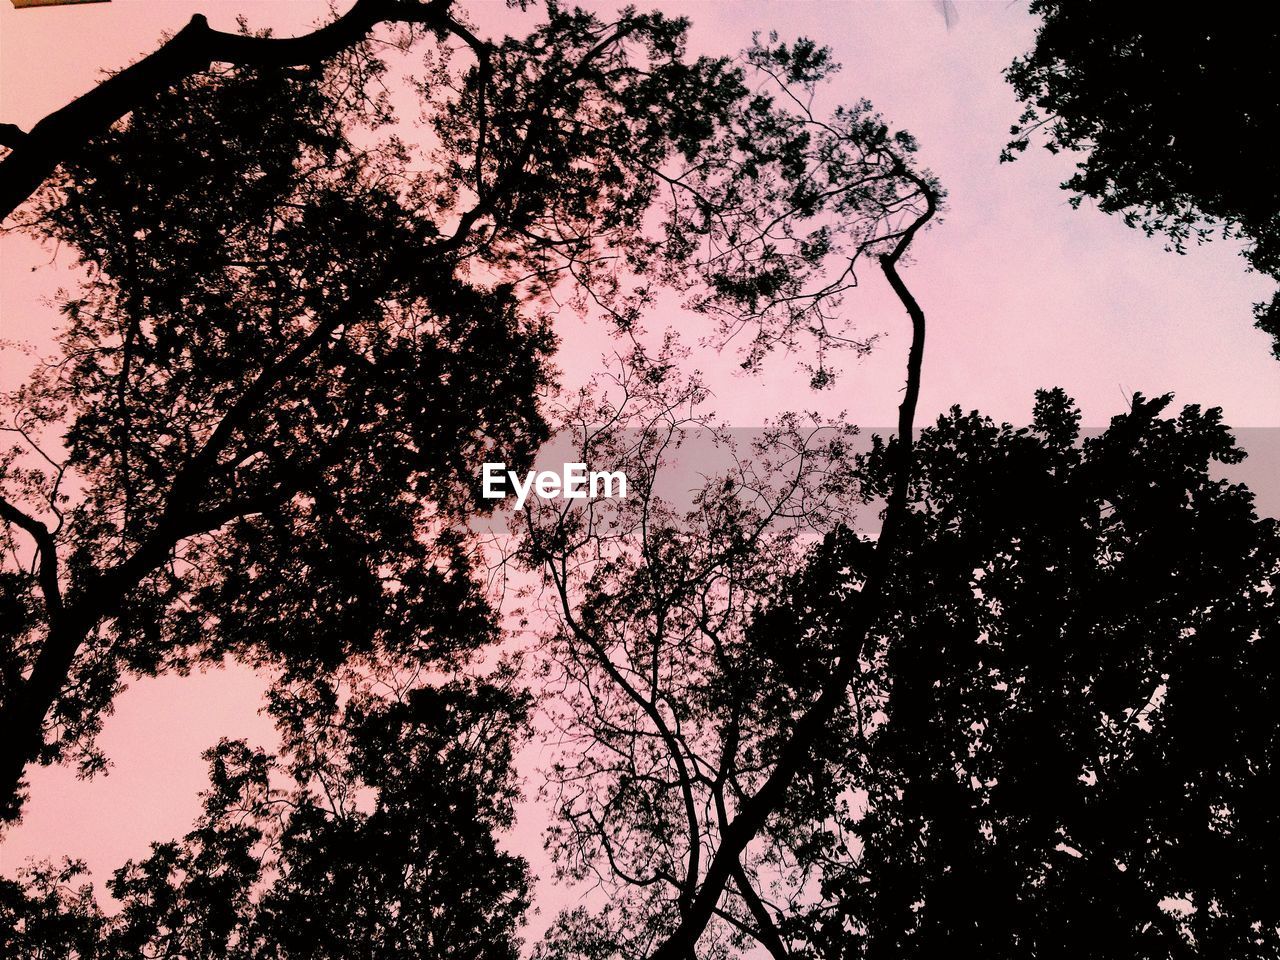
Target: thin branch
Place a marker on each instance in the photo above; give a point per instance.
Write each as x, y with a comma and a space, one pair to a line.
47, 551
812, 725
767, 934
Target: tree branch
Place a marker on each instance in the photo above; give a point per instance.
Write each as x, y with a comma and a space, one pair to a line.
47, 550
192, 49
11, 135
756, 810
768, 934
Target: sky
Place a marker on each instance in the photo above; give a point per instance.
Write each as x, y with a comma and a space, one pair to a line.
1021, 292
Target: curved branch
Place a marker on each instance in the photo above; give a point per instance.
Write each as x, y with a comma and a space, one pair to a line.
812, 725
35, 155
47, 549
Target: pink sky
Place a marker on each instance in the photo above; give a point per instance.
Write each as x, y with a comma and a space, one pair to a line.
1021, 291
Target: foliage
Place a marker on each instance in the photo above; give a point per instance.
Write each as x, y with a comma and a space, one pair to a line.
1175, 115
664, 710
1061, 742
45, 914
372, 834
1078, 733
299, 336
270, 401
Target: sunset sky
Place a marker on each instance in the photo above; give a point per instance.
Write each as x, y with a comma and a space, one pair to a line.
1021, 292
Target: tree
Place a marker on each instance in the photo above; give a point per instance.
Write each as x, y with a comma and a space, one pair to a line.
273, 446
43, 916
371, 835
35, 155
1062, 739
268, 447
267, 455
1079, 716
1175, 116
670, 716
854, 163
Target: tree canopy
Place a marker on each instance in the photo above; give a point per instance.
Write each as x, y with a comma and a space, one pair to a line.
268, 404
1030, 713
1175, 115
1062, 734
294, 345
291, 859
298, 335
1076, 702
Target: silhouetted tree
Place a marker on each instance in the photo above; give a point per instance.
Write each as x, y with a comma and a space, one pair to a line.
666, 716
298, 338
1076, 751
269, 401
1176, 113
33, 156
371, 835
50, 912
1062, 739
864, 172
